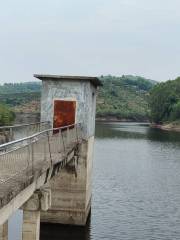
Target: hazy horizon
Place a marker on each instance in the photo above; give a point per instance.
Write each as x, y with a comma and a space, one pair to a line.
93, 37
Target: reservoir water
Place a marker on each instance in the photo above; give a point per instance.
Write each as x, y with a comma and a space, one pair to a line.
136, 187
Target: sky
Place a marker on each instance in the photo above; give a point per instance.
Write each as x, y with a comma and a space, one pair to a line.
89, 37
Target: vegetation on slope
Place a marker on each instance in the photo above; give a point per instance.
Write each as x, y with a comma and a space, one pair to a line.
120, 97
6, 115
13, 88
19, 99
124, 97
164, 101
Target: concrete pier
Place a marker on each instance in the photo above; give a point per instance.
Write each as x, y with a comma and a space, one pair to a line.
4, 231
71, 191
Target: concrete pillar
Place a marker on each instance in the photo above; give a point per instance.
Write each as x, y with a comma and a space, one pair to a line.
40, 201
31, 225
4, 231
31, 218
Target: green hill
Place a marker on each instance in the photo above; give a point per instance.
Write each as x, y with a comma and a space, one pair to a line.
120, 97
124, 97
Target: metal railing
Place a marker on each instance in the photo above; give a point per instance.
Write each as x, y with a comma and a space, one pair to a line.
25, 159
10, 133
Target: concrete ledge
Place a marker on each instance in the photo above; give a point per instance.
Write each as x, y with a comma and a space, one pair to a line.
39, 201
67, 216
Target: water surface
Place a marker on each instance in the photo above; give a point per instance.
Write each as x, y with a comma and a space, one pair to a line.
136, 187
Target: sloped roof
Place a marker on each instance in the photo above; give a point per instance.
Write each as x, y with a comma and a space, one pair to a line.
94, 80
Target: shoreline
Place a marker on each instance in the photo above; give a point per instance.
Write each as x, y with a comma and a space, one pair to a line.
120, 120
167, 127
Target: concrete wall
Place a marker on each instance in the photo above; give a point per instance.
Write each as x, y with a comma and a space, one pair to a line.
81, 91
71, 193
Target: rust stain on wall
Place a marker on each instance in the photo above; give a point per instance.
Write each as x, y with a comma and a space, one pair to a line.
64, 113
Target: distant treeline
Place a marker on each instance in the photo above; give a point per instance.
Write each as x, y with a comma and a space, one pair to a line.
13, 88
17, 99
164, 101
122, 97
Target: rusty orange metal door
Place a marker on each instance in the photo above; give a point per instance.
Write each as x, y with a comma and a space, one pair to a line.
64, 113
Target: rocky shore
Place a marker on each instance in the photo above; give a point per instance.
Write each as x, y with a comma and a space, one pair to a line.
174, 126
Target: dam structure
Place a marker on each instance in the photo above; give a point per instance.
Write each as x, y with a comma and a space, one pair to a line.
46, 168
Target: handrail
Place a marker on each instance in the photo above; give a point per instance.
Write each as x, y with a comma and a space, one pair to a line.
14, 132
36, 135
21, 125
23, 161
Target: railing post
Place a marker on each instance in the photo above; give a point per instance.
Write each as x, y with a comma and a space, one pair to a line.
32, 155
77, 137
26, 131
49, 146
62, 140
29, 157
67, 136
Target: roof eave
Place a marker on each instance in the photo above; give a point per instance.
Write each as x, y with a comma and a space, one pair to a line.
94, 80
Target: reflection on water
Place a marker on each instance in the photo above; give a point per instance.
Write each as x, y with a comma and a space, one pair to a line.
135, 131
136, 187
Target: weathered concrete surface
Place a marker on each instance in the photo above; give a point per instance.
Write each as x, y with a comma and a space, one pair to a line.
40, 200
33, 204
4, 231
71, 191
45, 199
83, 92
31, 225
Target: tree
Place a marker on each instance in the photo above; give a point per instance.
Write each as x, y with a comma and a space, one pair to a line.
164, 101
